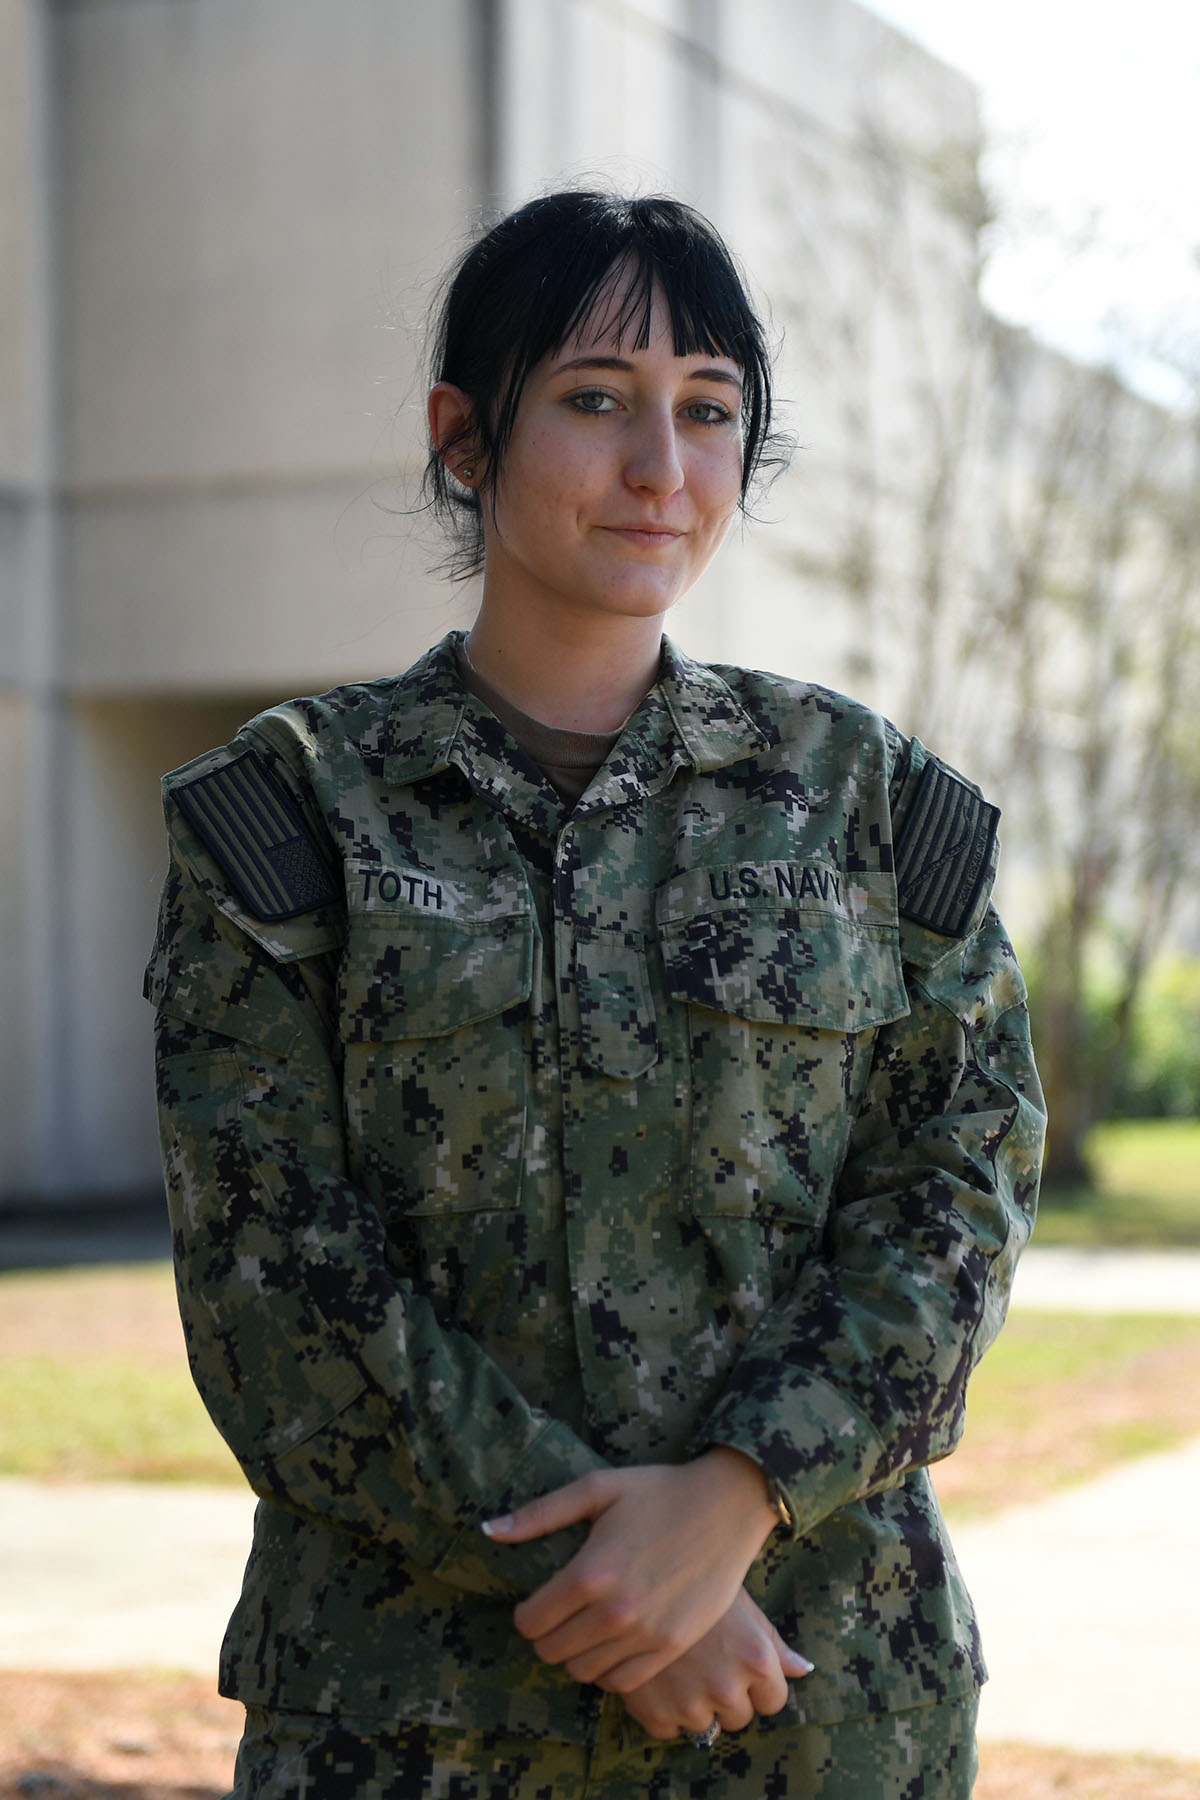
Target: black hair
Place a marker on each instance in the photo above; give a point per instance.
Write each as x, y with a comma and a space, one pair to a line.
529, 284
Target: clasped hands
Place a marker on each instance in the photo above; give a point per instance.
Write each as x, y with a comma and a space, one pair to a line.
653, 1607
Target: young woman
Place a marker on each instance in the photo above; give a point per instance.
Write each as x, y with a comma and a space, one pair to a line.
599, 1123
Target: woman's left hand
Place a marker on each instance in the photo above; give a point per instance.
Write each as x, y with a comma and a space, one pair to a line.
739, 1668
668, 1550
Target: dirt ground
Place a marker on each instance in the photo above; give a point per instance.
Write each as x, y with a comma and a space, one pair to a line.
1071, 1433
124, 1310
116, 1737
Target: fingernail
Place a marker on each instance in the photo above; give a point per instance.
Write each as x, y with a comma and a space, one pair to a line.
806, 1666
492, 1527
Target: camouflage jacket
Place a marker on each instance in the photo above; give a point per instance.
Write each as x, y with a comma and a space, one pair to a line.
505, 1141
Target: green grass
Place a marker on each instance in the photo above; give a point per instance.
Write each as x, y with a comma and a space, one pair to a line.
1038, 1350
94, 1382
106, 1417
1147, 1190
1062, 1396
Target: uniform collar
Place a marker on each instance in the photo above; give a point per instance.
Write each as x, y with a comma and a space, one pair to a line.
434, 724
691, 718
713, 725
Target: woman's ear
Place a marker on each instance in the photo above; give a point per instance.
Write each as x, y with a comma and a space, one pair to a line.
451, 428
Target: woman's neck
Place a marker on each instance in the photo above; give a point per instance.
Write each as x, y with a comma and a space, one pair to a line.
577, 676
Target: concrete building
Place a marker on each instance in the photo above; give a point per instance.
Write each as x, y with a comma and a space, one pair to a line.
219, 225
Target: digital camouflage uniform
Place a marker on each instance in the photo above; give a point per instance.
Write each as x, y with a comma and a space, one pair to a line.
924, 1754
505, 1142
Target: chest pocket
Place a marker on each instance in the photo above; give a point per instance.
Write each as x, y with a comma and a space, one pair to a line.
435, 1022
781, 1004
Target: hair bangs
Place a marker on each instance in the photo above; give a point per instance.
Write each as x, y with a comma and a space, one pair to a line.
620, 304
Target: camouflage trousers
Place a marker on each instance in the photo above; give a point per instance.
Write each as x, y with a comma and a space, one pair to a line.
925, 1754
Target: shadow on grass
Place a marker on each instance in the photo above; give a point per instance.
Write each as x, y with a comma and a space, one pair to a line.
58, 1781
1145, 1190
1096, 1217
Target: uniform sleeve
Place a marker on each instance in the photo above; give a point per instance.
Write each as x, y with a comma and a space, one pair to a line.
322, 1365
859, 1374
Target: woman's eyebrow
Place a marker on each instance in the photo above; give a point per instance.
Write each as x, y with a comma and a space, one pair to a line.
624, 366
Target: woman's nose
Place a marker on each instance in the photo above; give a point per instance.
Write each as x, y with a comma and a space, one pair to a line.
653, 462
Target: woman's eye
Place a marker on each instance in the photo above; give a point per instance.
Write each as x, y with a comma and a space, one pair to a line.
707, 412
593, 400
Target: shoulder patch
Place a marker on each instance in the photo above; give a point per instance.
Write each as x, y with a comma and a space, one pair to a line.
256, 834
943, 851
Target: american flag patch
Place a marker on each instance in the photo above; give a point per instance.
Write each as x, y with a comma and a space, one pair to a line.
254, 831
943, 852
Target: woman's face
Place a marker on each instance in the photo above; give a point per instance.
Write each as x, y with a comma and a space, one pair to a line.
621, 477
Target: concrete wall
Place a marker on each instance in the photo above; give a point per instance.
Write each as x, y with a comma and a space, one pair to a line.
20, 103
13, 584
253, 196
16, 997
110, 888
28, 595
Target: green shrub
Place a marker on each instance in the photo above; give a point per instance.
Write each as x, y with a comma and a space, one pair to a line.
1159, 1076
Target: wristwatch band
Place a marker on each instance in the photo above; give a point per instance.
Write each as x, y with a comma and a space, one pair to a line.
779, 1502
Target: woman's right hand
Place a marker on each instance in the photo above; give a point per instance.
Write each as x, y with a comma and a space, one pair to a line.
739, 1668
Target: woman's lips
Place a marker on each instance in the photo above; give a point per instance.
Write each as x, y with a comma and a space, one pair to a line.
651, 537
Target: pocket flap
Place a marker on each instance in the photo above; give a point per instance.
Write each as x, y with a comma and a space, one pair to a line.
231, 996
785, 969
405, 980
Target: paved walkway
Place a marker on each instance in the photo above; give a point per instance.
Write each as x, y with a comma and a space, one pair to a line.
118, 1574
1087, 1600
1087, 1603
1108, 1281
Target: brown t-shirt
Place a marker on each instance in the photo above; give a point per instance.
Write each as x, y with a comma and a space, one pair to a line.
568, 759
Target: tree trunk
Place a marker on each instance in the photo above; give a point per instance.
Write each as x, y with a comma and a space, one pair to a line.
1060, 1043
